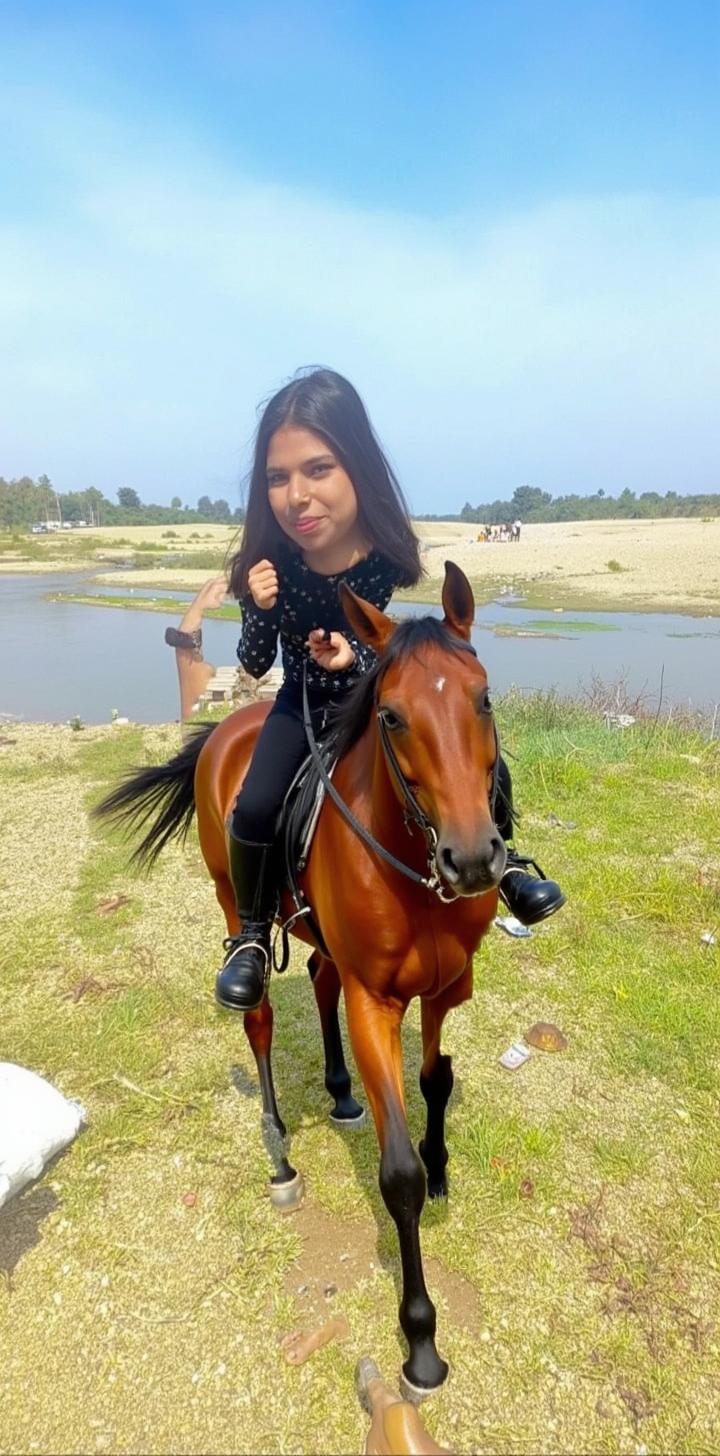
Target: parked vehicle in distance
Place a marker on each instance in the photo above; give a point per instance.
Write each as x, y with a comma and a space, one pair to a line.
43, 527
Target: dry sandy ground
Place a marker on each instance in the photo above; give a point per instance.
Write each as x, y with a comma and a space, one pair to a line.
665, 565
669, 565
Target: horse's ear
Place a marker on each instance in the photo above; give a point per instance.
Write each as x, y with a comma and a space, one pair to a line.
368, 622
458, 601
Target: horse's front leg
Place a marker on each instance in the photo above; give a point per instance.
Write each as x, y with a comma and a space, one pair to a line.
436, 1079
286, 1185
375, 1033
287, 1188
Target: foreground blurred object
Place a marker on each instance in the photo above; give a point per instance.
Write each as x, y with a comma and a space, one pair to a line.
36, 1122
298, 1346
395, 1424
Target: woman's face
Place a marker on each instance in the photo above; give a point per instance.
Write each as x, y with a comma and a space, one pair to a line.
311, 496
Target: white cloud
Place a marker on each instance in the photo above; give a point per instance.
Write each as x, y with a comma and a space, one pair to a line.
160, 295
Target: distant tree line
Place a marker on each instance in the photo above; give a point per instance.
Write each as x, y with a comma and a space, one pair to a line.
530, 504
27, 502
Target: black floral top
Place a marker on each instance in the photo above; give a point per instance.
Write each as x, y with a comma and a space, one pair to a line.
307, 600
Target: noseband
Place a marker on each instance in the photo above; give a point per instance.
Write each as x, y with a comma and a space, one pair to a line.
413, 815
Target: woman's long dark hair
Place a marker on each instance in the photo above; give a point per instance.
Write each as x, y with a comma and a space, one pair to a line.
327, 404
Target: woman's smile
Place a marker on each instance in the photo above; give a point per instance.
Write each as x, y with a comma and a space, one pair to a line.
307, 523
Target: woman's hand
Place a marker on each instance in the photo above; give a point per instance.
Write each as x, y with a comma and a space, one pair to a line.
211, 594
330, 650
263, 585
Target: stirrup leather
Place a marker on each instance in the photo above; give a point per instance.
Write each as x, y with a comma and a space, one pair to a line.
519, 862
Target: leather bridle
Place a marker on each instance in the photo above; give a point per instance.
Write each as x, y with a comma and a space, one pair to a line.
413, 815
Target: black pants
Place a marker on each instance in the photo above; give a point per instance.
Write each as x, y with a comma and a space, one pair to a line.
279, 752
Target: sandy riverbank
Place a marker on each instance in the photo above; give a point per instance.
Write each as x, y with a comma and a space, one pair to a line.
668, 565
671, 566
665, 565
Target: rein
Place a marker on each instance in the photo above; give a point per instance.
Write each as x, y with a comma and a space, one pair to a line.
412, 813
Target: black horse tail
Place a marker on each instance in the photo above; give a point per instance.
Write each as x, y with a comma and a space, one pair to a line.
165, 790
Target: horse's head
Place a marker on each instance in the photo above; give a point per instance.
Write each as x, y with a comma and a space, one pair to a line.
430, 695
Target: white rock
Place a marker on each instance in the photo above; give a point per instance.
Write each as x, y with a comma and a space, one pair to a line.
36, 1122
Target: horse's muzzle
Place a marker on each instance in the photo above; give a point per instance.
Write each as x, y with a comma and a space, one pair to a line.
472, 870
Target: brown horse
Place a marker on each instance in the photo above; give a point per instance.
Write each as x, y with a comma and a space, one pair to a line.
402, 895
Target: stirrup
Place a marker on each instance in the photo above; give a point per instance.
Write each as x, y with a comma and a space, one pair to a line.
236, 942
233, 943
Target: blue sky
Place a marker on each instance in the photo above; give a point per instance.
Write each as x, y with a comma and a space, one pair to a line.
500, 219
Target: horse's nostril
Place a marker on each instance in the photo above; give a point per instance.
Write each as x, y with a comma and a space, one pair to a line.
448, 865
468, 871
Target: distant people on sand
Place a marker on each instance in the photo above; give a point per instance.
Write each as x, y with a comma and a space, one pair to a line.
503, 532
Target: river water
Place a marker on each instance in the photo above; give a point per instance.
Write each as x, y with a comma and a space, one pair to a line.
60, 660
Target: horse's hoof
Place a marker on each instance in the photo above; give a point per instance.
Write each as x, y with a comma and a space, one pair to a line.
416, 1394
287, 1197
352, 1123
436, 1187
438, 1190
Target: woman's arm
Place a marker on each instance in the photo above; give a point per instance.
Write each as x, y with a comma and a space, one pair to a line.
194, 672
257, 648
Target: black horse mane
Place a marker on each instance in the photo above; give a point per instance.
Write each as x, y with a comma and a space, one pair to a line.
350, 718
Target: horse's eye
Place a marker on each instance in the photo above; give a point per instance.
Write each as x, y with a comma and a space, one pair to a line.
391, 720
484, 703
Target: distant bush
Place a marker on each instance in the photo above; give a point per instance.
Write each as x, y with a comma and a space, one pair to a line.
614, 565
170, 535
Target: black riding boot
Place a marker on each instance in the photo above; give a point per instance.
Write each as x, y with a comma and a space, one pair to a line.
243, 980
530, 898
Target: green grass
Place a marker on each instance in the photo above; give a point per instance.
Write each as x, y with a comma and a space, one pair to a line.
171, 606
568, 624
556, 626
75, 549
576, 1265
545, 595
